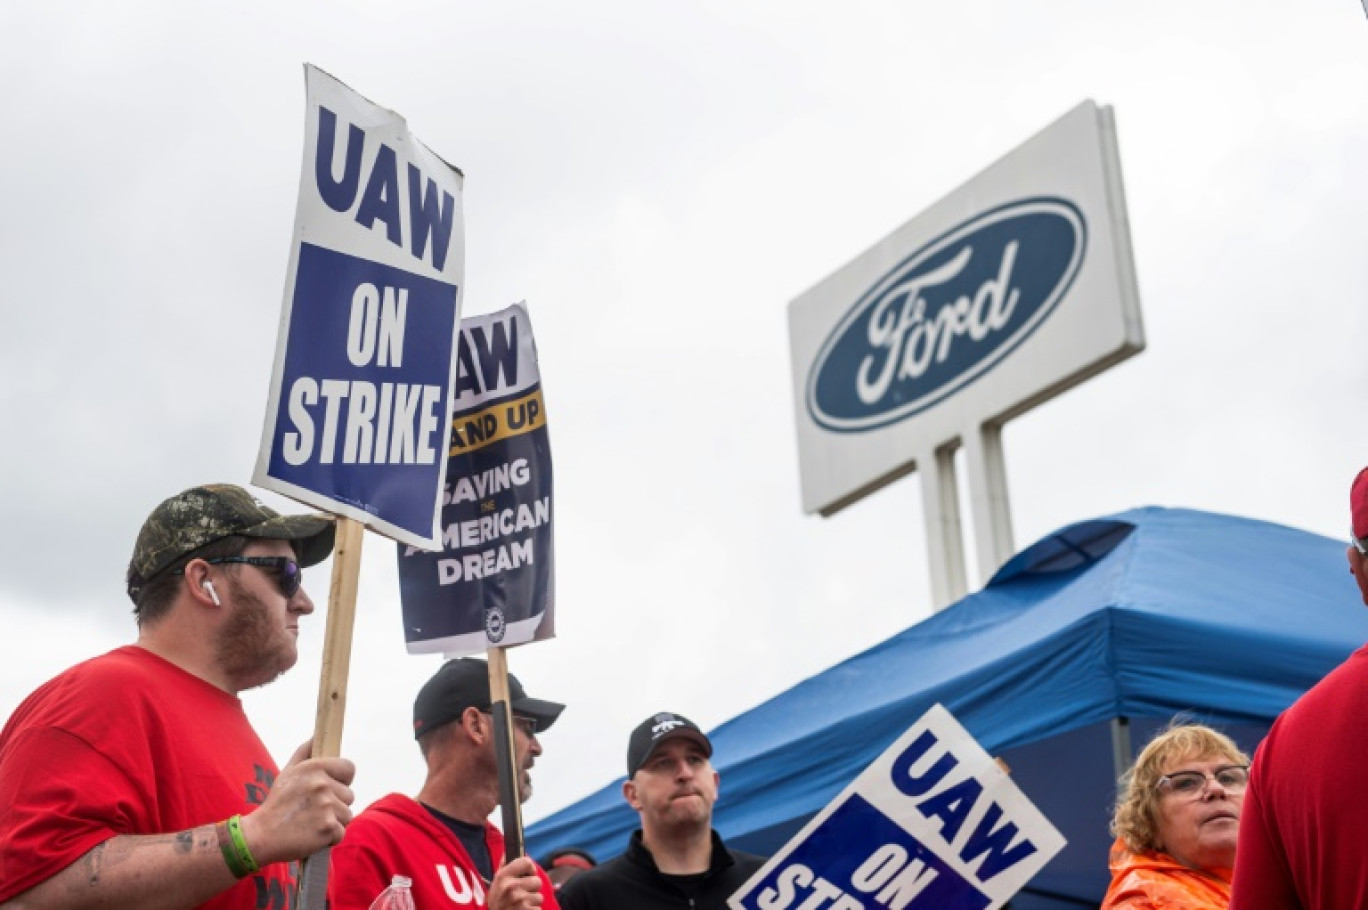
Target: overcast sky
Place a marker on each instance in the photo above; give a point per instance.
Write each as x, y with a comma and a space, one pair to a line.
658, 181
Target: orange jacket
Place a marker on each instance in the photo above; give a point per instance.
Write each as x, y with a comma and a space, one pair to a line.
1156, 881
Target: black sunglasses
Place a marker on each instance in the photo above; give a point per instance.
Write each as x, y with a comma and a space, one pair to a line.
289, 576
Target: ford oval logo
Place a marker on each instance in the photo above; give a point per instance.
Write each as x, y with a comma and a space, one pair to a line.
947, 314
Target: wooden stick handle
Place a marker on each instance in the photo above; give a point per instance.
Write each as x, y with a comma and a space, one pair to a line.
337, 639
332, 684
510, 799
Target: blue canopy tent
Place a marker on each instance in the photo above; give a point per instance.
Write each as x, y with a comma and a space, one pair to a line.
1100, 630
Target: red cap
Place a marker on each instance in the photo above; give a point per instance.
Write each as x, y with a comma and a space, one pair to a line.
1358, 504
573, 860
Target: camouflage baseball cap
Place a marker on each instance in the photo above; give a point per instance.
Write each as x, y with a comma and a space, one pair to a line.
202, 515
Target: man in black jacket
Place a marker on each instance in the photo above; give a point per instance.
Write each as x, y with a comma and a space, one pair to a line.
675, 859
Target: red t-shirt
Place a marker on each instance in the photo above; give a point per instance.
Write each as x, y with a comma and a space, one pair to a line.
1301, 841
128, 743
397, 836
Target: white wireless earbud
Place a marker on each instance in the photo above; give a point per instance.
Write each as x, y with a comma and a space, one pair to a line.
213, 595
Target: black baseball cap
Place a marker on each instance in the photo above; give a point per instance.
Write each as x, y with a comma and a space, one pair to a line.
654, 730
464, 683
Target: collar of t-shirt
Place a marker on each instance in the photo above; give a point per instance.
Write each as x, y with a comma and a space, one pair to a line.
472, 837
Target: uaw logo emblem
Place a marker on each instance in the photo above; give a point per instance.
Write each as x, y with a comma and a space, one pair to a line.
947, 314
495, 626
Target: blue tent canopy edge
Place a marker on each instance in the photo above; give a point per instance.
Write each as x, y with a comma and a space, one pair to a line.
1143, 615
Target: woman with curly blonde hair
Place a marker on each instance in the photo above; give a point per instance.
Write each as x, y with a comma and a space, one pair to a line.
1177, 816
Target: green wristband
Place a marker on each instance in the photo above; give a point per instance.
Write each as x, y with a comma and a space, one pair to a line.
225, 842
243, 854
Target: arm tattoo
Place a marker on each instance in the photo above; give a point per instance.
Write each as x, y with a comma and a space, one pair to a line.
100, 857
93, 863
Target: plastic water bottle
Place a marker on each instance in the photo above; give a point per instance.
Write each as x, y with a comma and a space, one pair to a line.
398, 896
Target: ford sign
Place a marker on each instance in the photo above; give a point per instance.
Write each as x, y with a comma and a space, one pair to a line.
947, 314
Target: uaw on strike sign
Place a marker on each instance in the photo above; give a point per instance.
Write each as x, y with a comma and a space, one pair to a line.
358, 416
932, 824
493, 582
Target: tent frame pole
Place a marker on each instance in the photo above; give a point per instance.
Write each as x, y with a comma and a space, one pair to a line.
1122, 756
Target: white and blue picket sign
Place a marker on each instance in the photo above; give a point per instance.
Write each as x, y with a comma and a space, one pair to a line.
932, 824
359, 413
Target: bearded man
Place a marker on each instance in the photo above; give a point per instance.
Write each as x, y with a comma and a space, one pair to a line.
134, 779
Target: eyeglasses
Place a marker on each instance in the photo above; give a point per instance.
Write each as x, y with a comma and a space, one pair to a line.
1360, 543
289, 576
1191, 784
528, 725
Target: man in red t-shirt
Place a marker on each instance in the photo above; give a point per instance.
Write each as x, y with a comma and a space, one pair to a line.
1301, 828
134, 779
442, 840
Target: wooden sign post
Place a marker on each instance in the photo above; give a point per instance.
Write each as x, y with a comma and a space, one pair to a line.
337, 639
332, 684
510, 799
